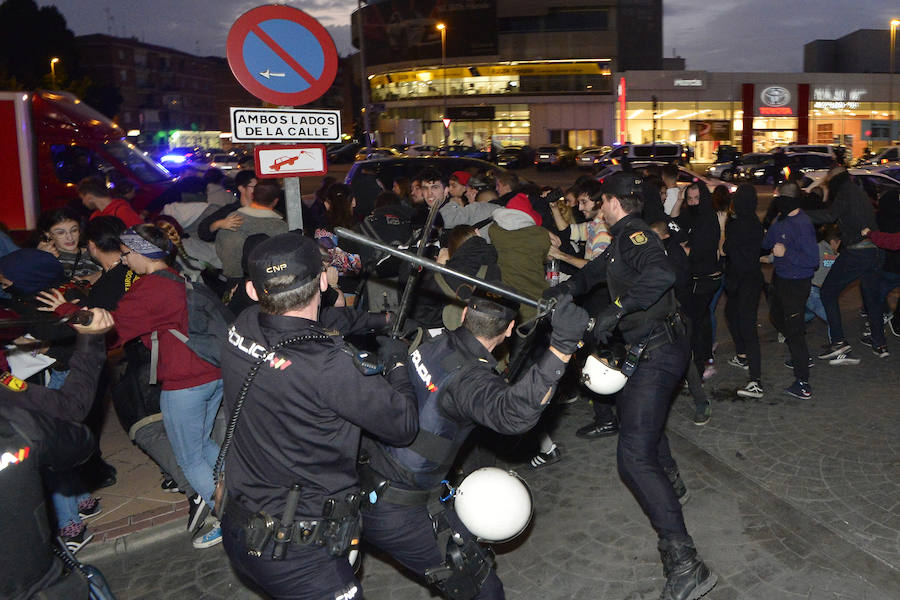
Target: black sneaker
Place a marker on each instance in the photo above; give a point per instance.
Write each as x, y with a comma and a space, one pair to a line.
198, 510
75, 536
880, 351
833, 350
790, 364
751, 390
169, 485
702, 413
894, 326
866, 338
87, 509
844, 358
740, 362
542, 459
799, 389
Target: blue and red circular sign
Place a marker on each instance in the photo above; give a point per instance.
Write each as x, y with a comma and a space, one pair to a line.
281, 55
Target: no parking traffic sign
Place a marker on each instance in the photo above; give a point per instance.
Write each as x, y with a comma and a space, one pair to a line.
281, 55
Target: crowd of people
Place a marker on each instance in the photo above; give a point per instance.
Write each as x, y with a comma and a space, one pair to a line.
203, 285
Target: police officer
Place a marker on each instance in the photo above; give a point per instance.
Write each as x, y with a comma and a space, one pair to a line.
456, 388
291, 511
644, 311
39, 429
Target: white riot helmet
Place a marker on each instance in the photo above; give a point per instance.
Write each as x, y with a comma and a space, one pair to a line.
601, 377
495, 505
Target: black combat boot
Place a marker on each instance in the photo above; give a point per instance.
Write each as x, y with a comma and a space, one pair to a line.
687, 577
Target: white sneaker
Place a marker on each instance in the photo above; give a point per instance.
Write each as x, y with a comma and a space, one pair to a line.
751, 390
208, 536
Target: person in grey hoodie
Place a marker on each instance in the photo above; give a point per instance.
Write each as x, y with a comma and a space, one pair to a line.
258, 217
743, 284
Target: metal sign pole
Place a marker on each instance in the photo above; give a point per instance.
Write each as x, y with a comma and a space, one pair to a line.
293, 202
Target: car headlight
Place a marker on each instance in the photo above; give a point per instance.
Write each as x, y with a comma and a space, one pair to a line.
759, 172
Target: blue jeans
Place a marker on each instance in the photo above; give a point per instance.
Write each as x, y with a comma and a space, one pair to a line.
189, 415
815, 308
66, 491
850, 265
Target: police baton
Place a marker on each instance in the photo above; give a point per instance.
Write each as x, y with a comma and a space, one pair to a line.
543, 306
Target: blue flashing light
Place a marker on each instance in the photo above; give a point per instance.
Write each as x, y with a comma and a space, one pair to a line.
174, 158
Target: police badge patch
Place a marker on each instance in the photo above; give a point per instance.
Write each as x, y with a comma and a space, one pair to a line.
638, 238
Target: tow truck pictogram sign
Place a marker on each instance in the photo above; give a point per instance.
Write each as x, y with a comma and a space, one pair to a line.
294, 160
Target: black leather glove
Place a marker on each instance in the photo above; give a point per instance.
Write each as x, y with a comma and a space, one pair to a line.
568, 322
606, 322
556, 291
391, 351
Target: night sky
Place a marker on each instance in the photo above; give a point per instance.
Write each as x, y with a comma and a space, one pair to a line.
726, 35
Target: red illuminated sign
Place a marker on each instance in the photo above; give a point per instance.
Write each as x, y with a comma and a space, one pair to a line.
776, 110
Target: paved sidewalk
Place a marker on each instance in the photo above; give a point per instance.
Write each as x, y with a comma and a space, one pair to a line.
790, 499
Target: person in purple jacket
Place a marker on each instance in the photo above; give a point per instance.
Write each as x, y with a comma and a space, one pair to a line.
792, 240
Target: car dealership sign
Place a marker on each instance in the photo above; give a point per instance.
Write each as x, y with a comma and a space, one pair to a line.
776, 100
829, 98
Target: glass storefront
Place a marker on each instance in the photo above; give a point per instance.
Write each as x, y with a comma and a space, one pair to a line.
681, 121
510, 126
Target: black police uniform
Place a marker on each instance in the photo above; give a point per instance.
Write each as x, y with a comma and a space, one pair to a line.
37, 430
640, 282
457, 389
301, 424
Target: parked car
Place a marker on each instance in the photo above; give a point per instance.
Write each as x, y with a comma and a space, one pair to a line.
806, 148
798, 163
728, 171
873, 182
891, 169
588, 157
344, 154
464, 151
660, 151
515, 157
885, 155
389, 169
421, 150
554, 155
374, 152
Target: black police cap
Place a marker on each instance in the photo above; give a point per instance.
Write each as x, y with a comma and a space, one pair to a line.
285, 254
622, 184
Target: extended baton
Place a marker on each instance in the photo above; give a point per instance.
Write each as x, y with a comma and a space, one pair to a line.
81, 317
543, 305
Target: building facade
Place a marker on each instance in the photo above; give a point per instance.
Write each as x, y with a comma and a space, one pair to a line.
503, 71
863, 51
757, 111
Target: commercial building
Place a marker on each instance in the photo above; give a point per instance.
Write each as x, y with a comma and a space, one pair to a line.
757, 111
525, 71
863, 51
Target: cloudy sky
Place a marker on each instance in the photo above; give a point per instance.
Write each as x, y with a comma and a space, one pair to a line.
726, 35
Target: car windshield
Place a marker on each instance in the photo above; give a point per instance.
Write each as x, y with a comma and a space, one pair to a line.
142, 167
547, 149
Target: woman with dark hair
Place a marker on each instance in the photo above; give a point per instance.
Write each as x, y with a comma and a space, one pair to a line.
60, 235
191, 388
339, 205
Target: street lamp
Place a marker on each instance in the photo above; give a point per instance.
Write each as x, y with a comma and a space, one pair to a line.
55, 60
443, 29
894, 23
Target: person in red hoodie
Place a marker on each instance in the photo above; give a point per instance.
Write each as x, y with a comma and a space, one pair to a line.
191, 387
96, 196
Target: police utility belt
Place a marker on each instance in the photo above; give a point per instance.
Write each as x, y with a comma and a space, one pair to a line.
338, 530
376, 487
665, 332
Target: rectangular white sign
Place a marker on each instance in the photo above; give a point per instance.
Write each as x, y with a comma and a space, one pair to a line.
290, 160
285, 125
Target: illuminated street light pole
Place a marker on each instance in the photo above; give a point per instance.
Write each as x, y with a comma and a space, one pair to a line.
443, 29
894, 24
55, 60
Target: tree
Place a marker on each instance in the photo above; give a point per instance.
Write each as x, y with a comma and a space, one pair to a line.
29, 37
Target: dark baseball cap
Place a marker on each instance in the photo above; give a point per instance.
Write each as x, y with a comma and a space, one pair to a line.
622, 184
285, 254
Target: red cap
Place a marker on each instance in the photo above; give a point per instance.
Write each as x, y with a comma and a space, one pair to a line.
461, 176
521, 202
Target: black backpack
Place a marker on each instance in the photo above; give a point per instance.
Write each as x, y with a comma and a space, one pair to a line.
208, 322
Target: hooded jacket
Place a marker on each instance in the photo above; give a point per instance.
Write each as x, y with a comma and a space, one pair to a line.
703, 232
522, 248
743, 235
850, 208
